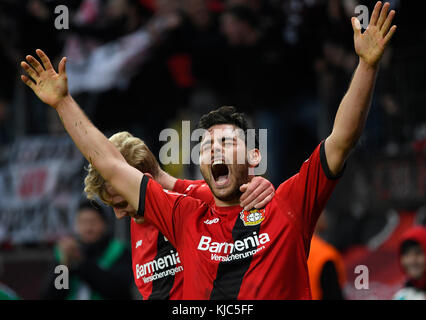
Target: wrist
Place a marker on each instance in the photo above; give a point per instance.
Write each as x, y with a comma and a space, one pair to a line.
165, 180
368, 65
63, 102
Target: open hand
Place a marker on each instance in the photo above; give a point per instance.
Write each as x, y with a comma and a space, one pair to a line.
49, 86
371, 44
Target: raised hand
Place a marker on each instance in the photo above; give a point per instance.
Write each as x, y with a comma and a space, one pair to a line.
371, 44
49, 86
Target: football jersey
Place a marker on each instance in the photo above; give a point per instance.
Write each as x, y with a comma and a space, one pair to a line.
157, 269
229, 253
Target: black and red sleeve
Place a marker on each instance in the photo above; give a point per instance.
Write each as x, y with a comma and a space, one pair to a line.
197, 189
166, 210
308, 191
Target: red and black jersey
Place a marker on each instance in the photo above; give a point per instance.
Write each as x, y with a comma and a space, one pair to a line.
157, 269
229, 253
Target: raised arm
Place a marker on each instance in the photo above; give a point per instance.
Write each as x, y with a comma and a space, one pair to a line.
353, 110
52, 88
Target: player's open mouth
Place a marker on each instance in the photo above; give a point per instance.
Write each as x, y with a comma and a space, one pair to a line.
220, 173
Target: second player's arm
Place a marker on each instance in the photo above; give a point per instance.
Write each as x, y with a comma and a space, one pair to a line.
99, 151
52, 89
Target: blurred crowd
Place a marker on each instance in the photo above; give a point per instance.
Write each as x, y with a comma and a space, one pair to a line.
141, 64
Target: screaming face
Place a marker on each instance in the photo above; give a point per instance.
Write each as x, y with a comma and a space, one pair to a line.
223, 162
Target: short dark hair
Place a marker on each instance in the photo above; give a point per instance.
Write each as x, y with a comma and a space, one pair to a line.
227, 115
94, 206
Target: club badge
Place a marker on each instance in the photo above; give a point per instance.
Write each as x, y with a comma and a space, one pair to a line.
252, 217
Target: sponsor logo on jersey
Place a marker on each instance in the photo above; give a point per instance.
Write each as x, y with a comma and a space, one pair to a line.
252, 217
240, 249
159, 268
138, 244
250, 242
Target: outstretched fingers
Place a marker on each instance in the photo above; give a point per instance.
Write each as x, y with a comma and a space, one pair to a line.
62, 66
35, 64
387, 24
31, 72
356, 25
28, 82
383, 15
376, 13
390, 34
45, 60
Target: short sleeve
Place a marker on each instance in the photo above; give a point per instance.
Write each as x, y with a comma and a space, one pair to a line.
197, 189
166, 210
308, 191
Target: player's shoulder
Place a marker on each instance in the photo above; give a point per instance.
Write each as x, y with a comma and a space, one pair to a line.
186, 200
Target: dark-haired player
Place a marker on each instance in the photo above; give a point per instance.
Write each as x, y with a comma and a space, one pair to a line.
229, 253
157, 269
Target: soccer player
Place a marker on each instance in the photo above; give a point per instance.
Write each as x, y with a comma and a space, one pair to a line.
229, 253
156, 265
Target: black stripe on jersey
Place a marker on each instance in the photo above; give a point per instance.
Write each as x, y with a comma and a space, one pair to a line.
230, 274
142, 194
325, 167
161, 287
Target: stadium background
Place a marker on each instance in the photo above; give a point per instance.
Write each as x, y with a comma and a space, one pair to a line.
145, 65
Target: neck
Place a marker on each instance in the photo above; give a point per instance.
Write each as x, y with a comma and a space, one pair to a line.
227, 203
235, 200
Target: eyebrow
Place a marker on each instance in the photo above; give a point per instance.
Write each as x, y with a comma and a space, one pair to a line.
223, 138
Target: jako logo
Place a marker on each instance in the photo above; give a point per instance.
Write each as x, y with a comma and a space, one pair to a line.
247, 243
215, 220
138, 244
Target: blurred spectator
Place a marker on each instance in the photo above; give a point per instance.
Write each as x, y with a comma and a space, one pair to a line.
99, 265
254, 61
412, 252
325, 265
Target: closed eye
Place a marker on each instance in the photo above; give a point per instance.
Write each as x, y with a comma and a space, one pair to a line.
120, 205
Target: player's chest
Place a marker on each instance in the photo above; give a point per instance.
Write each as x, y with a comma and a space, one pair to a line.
217, 238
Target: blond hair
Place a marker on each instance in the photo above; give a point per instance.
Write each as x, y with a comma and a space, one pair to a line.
136, 153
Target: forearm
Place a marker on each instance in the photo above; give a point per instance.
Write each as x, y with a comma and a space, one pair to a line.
165, 180
353, 110
92, 143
